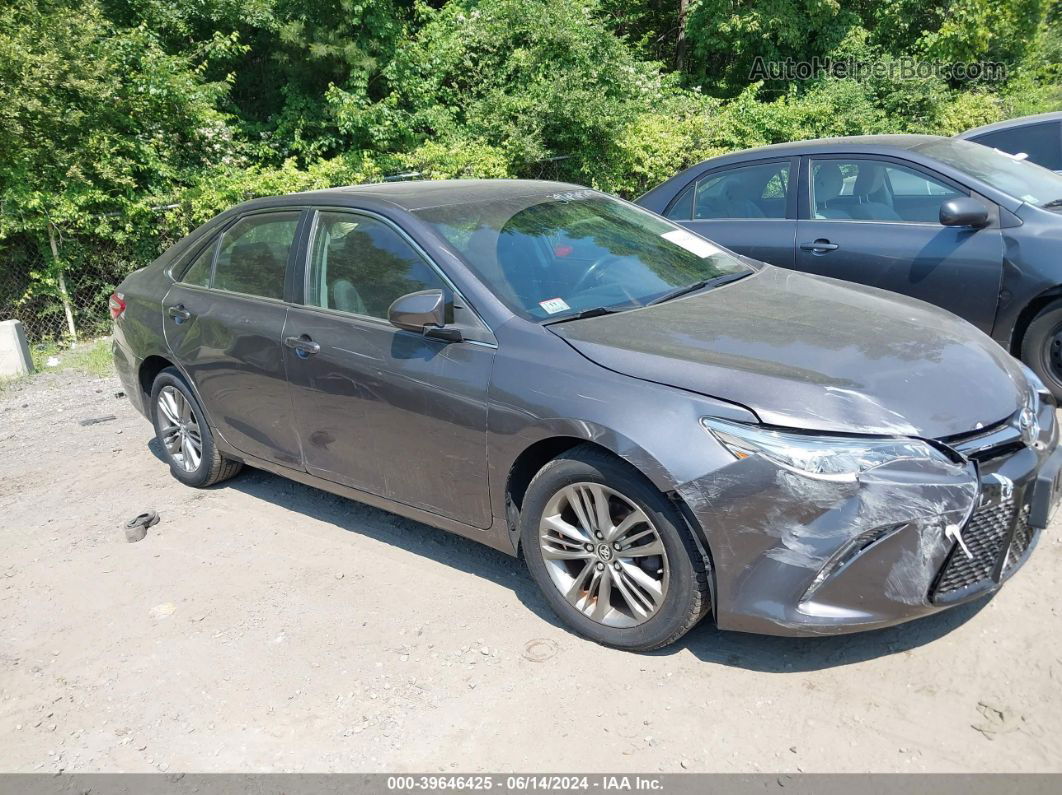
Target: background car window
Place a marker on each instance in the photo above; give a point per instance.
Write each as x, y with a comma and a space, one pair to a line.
754, 191
198, 273
874, 190
253, 257
1041, 142
682, 208
361, 265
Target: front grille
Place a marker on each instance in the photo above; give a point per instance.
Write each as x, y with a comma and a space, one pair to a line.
1023, 538
986, 537
989, 443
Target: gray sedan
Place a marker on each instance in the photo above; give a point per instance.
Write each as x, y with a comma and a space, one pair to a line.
965, 227
662, 429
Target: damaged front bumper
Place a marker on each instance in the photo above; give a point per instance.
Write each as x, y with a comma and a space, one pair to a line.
799, 555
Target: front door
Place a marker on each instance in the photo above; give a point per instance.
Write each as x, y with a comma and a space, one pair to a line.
387, 411
748, 208
876, 222
224, 319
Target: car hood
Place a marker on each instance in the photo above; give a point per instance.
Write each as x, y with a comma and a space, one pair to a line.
816, 353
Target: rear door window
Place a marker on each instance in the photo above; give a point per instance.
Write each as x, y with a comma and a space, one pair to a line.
757, 190
682, 208
253, 256
198, 273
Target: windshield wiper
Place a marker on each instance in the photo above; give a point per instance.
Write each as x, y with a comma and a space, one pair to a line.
1052, 204
715, 281
594, 312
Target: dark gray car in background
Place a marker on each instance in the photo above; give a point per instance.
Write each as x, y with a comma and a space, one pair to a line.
660, 427
1038, 138
943, 220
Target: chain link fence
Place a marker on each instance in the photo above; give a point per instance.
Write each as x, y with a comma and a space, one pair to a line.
75, 307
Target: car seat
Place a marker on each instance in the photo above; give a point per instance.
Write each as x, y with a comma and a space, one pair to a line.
874, 200
829, 182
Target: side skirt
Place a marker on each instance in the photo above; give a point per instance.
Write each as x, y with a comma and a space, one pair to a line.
489, 537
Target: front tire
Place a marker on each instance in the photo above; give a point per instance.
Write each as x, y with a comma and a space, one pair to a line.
1041, 347
611, 555
184, 435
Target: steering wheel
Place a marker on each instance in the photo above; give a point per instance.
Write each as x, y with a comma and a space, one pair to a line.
593, 272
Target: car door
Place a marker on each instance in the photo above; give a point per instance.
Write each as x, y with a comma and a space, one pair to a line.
383, 410
750, 208
224, 318
876, 221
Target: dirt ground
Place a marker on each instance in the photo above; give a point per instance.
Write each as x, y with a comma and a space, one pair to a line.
267, 626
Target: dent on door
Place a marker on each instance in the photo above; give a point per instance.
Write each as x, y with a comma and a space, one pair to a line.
393, 413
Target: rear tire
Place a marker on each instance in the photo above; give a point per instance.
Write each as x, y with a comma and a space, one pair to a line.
611, 588
1041, 347
183, 433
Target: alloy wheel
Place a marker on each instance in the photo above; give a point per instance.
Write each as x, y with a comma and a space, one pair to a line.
1053, 353
604, 555
179, 430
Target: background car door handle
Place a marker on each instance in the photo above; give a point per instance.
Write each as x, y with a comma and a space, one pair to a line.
820, 246
304, 346
179, 313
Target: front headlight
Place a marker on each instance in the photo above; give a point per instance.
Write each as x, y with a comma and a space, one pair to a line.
1039, 390
825, 457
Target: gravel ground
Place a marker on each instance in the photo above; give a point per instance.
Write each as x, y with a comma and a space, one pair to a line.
268, 626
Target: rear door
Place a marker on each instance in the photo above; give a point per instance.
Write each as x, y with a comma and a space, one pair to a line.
750, 208
876, 221
224, 319
387, 411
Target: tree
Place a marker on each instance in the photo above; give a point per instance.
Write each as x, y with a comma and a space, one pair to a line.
532, 80
92, 121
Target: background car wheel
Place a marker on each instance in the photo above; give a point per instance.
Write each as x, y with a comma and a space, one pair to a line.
1042, 347
610, 553
184, 435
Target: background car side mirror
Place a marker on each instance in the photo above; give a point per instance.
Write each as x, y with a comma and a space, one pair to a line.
963, 211
424, 312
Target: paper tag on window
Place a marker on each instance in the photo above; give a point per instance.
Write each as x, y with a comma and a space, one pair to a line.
693, 244
554, 305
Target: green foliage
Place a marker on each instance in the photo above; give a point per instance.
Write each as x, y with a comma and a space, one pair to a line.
726, 36
518, 81
126, 123
92, 118
91, 358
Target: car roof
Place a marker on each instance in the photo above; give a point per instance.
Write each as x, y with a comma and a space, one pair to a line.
906, 147
904, 142
1021, 121
420, 194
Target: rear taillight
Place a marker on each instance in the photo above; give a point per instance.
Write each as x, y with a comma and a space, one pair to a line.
117, 305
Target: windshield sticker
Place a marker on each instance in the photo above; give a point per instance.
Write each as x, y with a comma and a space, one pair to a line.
572, 195
1028, 197
693, 244
554, 305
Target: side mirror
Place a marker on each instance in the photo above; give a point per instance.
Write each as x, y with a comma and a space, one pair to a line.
963, 211
424, 312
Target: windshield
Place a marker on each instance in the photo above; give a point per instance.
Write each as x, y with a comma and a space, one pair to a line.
548, 257
1019, 178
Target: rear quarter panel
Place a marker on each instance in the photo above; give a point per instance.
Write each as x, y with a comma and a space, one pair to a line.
139, 333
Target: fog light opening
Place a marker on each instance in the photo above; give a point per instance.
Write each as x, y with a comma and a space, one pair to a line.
847, 554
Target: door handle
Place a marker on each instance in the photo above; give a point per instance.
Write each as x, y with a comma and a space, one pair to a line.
179, 313
303, 346
820, 246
